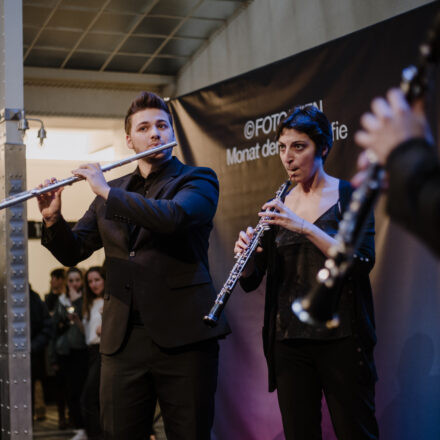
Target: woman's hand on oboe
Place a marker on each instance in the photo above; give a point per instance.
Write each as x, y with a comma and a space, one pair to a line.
244, 239
278, 213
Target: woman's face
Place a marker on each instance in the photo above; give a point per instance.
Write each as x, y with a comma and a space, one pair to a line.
74, 281
298, 155
96, 283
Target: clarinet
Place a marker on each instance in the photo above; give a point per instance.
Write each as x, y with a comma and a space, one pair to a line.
222, 298
319, 306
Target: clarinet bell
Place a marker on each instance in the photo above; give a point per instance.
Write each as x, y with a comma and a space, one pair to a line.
318, 307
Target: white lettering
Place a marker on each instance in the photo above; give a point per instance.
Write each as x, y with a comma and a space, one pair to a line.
339, 131
235, 156
269, 148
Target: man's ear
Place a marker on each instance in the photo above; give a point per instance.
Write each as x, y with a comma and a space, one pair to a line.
324, 151
129, 142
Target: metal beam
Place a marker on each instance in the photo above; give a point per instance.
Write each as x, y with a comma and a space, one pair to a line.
89, 27
72, 77
116, 33
173, 32
49, 17
106, 52
15, 380
133, 27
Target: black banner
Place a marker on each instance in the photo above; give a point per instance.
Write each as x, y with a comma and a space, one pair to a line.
230, 127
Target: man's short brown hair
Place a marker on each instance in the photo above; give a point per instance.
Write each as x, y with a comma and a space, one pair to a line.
143, 101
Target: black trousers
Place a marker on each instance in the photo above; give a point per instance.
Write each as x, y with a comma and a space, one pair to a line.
340, 369
183, 380
90, 394
74, 369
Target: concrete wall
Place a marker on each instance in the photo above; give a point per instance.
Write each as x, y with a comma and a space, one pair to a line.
269, 30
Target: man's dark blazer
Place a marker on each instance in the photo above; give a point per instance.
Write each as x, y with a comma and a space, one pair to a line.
167, 266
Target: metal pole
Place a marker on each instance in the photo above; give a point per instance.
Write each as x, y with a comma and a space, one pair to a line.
15, 382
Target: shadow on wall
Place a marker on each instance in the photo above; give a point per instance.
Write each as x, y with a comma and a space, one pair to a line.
414, 413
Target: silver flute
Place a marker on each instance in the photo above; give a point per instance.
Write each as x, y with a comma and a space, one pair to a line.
35, 192
212, 317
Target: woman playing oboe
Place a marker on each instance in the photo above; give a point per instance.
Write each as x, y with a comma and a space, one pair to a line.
306, 361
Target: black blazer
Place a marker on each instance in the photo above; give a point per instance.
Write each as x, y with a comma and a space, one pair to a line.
166, 269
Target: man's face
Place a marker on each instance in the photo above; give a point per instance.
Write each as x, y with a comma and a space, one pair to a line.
150, 128
56, 284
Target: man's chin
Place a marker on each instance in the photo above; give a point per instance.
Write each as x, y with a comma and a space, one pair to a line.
160, 157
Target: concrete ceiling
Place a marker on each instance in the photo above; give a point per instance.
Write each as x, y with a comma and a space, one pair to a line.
116, 43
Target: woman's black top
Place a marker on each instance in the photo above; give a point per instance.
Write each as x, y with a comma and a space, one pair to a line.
357, 300
300, 260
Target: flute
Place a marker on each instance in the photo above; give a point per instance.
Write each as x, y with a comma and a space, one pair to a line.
26, 195
222, 298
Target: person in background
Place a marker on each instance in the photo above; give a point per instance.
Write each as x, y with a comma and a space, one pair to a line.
57, 287
400, 137
93, 303
68, 351
41, 335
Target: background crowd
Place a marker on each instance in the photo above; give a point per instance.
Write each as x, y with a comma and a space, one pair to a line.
65, 335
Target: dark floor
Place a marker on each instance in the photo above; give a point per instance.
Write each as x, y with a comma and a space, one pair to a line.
48, 428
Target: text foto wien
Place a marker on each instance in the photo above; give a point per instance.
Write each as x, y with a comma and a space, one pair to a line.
270, 148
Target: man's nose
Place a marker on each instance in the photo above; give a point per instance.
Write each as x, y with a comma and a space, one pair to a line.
155, 132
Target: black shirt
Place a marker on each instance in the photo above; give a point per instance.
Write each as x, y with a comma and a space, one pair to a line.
140, 185
300, 261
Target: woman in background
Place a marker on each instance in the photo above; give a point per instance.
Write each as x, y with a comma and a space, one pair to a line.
68, 353
93, 303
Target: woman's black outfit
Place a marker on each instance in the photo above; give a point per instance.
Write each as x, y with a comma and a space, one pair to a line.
69, 352
305, 361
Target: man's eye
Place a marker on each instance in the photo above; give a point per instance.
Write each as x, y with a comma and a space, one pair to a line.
163, 126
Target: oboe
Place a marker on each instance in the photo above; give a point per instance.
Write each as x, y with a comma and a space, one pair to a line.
222, 298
